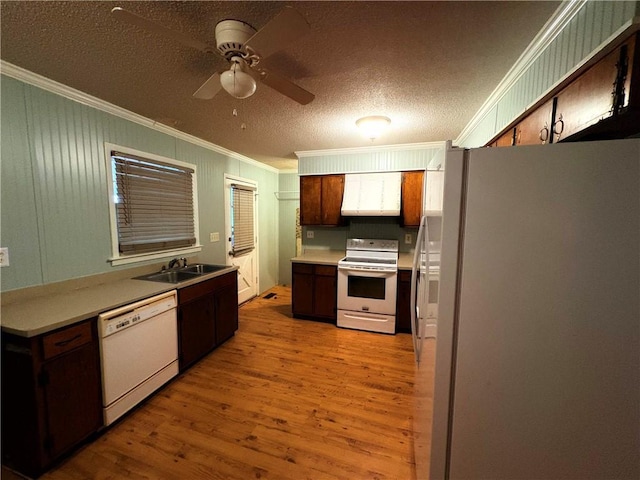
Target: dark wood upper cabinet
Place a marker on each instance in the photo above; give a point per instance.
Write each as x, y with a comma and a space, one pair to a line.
590, 97
411, 203
321, 200
535, 129
600, 101
311, 200
332, 192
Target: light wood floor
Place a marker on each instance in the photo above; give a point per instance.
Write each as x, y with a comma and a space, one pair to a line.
283, 399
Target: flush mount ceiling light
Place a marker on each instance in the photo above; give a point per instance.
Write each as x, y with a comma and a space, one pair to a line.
373, 126
236, 81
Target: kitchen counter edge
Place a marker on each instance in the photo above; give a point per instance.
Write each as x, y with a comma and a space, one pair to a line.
332, 257
43, 314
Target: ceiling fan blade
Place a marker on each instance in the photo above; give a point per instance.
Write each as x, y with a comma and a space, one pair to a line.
282, 30
209, 88
138, 21
286, 87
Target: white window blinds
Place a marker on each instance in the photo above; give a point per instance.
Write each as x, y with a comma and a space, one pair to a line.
154, 204
242, 235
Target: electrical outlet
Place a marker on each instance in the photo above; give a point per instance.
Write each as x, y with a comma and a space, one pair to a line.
214, 237
310, 234
407, 238
4, 257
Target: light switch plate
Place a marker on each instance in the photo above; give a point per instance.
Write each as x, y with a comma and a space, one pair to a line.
407, 238
4, 257
214, 237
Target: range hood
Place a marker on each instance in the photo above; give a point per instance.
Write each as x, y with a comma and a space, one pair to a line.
372, 194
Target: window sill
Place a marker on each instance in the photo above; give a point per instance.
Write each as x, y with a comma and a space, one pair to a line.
125, 260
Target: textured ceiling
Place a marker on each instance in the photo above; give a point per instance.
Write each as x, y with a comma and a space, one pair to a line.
429, 66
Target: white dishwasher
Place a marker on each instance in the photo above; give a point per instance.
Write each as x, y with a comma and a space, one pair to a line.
138, 350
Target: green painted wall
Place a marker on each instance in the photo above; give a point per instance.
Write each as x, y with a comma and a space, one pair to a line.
288, 199
55, 213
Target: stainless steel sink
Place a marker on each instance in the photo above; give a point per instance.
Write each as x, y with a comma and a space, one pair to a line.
169, 276
203, 268
182, 274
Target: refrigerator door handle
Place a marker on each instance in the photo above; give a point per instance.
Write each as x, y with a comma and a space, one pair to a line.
414, 289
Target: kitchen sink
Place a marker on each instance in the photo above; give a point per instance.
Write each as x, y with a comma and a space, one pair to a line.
169, 276
182, 274
203, 268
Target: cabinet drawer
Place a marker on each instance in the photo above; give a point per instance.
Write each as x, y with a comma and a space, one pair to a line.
325, 270
65, 340
305, 268
205, 287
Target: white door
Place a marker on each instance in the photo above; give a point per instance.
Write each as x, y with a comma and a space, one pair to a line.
246, 259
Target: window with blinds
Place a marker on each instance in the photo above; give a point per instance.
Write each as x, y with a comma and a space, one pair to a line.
242, 235
154, 204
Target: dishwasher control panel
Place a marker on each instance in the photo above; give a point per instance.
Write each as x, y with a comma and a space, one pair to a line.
125, 317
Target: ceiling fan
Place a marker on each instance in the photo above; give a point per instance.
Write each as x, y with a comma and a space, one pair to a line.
244, 48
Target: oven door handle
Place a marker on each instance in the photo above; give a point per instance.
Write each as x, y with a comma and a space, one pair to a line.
368, 273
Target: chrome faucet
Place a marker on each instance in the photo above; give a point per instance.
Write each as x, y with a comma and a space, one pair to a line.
173, 263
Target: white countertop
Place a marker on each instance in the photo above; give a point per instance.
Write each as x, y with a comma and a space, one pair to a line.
38, 315
320, 257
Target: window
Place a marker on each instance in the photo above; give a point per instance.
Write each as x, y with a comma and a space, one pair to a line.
153, 208
242, 235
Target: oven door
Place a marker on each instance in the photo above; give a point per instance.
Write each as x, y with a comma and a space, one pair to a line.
367, 290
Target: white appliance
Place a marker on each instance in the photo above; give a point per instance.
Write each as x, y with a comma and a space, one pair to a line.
537, 370
367, 285
372, 194
139, 352
425, 274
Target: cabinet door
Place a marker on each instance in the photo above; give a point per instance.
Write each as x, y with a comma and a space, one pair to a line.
226, 312
588, 99
535, 128
302, 289
197, 329
325, 293
332, 193
403, 302
434, 193
412, 198
505, 140
73, 398
310, 200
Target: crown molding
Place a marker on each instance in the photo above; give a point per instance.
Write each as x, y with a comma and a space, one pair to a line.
376, 149
554, 26
65, 91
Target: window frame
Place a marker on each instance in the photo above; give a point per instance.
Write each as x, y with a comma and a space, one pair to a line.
116, 257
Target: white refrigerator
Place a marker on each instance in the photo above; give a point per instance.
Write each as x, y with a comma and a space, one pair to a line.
537, 371
424, 310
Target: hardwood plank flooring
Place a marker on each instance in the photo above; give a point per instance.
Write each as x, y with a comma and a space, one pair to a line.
283, 399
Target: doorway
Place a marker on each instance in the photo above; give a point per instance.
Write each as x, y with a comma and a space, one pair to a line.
241, 233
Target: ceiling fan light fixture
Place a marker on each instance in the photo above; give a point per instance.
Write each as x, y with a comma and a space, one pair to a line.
373, 125
237, 83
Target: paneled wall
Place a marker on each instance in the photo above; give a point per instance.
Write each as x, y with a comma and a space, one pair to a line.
55, 214
288, 196
384, 158
578, 31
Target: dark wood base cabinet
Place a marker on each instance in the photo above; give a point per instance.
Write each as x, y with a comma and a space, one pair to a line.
403, 302
207, 316
314, 291
51, 395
